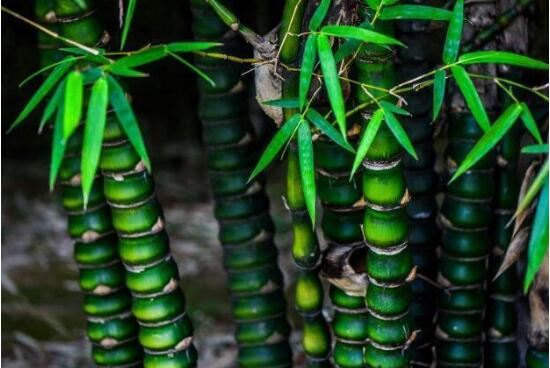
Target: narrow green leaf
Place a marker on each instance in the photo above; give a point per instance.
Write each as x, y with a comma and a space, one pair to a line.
141, 57
319, 15
361, 34
93, 135
332, 82
536, 185
72, 103
439, 93
307, 169
68, 59
81, 4
330, 131
398, 132
127, 72
349, 46
538, 242
414, 12
454, 33
191, 46
530, 123
279, 139
502, 57
373, 4
127, 119
394, 108
306, 70
287, 103
52, 105
196, 70
369, 133
536, 149
490, 139
52, 79
131, 7
471, 96
58, 147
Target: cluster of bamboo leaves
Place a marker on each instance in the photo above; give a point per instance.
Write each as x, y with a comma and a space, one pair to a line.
318, 45
67, 78
65, 87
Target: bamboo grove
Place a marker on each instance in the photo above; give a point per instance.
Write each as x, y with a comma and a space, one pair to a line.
411, 124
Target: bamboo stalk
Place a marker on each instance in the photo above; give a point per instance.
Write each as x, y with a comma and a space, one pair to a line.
158, 304
389, 263
111, 328
422, 183
241, 208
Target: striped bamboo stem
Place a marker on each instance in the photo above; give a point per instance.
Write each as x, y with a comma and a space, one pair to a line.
341, 225
111, 328
389, 263
158, 304
465, 218
422, 183
241, 208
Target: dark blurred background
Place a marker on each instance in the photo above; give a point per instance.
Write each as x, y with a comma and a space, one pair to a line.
42, 320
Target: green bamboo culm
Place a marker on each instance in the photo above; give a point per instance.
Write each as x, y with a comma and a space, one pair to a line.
422, 183
242, 208
341, 224
465, 218
152, 275
501, 314
111, 328
308, 292
389, 263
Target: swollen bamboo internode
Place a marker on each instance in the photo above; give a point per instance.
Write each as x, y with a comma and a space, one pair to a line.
389, 263
111, 328
241, 207
158, 304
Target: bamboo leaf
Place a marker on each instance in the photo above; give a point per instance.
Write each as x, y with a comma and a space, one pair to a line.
127, 72
131, 7
414, 12
538, 243
191, 46
72, 103
369, 133
127, 119
307, 169
141, 57
538, 182
536, 149
398, 132
68, 59
394, 108
529, 122
287, 103
439, 93
279, 139
52, 79
330, 131
502, 57
361, 34
58, 147
306, 70
490, 139
454, 33
319, 15
93, 135
513, 252
332, 81
199, 72
349, 46
52, 105
471, 96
